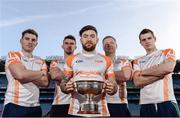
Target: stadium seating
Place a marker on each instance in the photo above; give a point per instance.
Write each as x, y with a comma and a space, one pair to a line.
47, 95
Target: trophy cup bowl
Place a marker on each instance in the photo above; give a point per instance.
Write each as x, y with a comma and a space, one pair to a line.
89, 90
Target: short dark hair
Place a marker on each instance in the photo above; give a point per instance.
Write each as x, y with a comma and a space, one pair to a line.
144, 31
108, 37
30, 31
87, 27
69, 37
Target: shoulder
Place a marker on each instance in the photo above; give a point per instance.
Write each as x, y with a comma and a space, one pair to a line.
107, 59
138, 59
70, 59
103, 56
13, 57
13, 54
38, 58
168, 50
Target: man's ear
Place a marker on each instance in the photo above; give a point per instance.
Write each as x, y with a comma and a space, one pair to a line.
97, 40
62, 46
36, 43
103, 47
116, 46
155, 38
140, 43
81, 40
21, 40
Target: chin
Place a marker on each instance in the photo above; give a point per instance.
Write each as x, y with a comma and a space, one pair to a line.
28, 50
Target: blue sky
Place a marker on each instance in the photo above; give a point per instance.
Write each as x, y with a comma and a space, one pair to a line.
123, 19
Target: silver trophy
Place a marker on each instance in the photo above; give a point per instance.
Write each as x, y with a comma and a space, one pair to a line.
89, 90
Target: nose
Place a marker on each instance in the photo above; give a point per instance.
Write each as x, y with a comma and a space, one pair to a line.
107, 45
147, 41
30, 41
89, 38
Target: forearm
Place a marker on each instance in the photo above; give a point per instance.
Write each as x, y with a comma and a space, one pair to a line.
141, 81
43, 82
56, 77
122, 90
23, 75
29, 76
123, 75
56, 74
112, 80
159, 70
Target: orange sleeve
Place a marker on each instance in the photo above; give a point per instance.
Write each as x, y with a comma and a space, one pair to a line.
13, 57
109, 73
135, 61
136, 66
169, 54
68, 70
70, 59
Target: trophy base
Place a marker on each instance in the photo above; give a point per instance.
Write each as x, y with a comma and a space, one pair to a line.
88, 109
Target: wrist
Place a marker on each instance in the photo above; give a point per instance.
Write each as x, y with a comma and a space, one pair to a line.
43, 73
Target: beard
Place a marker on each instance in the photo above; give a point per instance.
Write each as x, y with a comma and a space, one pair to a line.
89, 48
109, 49
69, 51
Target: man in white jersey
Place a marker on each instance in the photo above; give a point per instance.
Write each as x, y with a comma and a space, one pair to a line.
118, 104
61, 100
25, 73
88, 65
153, 74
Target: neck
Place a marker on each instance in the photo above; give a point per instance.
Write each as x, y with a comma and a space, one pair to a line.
67, 55
151, 51
27, 54
89, 52
112, 55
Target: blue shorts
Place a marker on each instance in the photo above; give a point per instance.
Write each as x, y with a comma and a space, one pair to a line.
13, 110
164, 109
118, 110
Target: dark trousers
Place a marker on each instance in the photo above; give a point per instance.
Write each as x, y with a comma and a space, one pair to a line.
13, 110
164, 109
59, 110
118, 110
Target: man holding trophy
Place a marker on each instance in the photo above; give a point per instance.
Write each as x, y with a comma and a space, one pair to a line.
88, 77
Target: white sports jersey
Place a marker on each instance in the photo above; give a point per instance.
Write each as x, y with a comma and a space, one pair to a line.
161, 90
22, 94
88, 67
59, 96
121, 95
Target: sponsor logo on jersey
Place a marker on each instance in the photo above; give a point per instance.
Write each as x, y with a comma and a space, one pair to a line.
78, 61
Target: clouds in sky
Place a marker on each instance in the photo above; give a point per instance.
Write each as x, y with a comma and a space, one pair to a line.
53, 19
